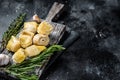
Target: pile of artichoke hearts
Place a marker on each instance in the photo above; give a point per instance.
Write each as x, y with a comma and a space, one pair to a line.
32, 40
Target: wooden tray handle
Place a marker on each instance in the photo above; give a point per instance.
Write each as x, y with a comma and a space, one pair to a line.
56, 8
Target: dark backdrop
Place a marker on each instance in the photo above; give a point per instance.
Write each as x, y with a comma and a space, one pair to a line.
96, 54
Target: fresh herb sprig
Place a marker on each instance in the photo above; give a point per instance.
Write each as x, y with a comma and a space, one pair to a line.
21, 70
13, 29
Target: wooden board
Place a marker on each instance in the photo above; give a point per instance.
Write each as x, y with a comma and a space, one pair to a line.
57, 33
55, 37
67, 40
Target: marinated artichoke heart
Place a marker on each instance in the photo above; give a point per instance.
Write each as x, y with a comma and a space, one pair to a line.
19, 56
41, 40
34, 50
44, 28
30, 26
4, 59
26, 38
13, 44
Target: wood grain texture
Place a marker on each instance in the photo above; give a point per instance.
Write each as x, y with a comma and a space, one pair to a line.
56, 8
56, 34
55, 37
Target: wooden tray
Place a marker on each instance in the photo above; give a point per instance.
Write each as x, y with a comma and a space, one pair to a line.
55, 37
67, 40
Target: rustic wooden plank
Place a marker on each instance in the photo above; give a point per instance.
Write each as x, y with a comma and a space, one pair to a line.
57, 32
56, 8
55, 35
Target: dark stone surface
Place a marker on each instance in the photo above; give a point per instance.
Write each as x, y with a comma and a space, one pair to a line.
96, 54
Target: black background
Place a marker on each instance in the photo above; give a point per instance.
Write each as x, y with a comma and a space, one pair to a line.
96, 54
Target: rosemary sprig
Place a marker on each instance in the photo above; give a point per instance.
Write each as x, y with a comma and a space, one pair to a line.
21, 70
13, 29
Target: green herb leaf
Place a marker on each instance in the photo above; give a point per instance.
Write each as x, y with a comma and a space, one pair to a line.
13, 29
23, 69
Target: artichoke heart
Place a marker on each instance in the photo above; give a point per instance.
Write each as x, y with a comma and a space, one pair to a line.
30, 26
34, 50
26, 38
44, 28
41, 40
13, 44
19, 56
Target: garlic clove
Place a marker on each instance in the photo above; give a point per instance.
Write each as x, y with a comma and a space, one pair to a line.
36, 18
4, 59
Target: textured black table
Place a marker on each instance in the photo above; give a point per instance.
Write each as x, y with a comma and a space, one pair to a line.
96, 55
